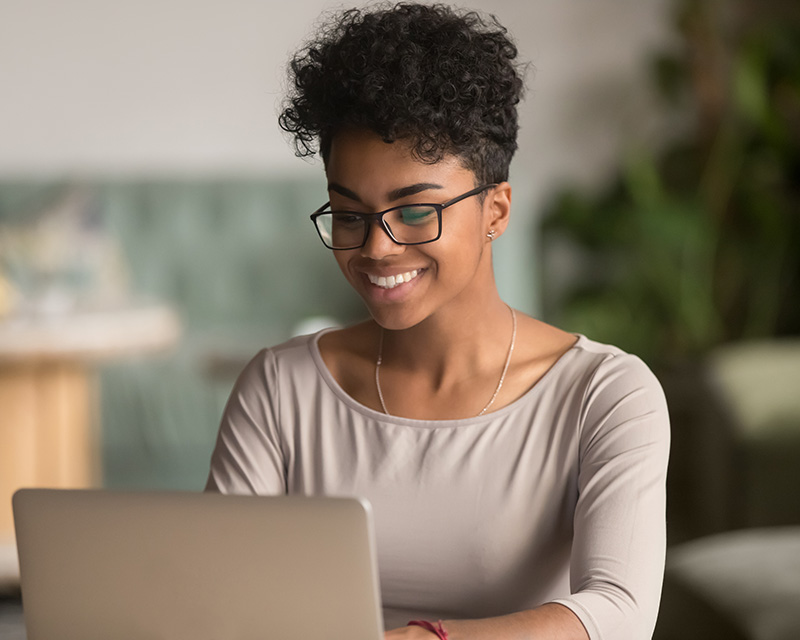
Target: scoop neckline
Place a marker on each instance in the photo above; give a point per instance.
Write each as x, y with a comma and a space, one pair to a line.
342, 395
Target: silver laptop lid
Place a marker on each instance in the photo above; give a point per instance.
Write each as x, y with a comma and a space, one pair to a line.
142, 566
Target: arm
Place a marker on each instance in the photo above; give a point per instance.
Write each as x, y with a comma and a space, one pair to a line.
548, 622
619, 542
248, 458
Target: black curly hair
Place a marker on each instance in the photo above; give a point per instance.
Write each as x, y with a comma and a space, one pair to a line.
443, 79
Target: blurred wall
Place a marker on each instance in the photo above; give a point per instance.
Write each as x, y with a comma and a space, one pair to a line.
180, 87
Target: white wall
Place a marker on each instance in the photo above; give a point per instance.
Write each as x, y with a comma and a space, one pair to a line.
177, 86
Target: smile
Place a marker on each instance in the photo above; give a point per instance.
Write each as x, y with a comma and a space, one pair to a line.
390, 282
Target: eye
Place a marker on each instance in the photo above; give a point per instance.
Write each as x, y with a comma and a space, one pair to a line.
417, 215
347, 219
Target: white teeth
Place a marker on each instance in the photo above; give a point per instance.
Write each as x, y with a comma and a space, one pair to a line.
390, 282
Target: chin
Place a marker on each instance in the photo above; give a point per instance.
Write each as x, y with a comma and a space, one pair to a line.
395, 319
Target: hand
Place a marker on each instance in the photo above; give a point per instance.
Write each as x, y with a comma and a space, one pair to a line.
408, 633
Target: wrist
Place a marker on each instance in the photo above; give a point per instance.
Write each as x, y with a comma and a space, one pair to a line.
436, 628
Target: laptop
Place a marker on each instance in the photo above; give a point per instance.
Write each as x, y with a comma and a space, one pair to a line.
97, 565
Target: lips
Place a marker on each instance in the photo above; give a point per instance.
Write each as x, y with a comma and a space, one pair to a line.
390, 282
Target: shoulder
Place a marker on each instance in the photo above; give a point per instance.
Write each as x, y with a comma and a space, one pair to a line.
579, 365
358, 340
291, 359
610, 367
621, 394
348, 354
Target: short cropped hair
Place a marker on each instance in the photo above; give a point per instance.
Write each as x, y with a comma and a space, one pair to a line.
442, 79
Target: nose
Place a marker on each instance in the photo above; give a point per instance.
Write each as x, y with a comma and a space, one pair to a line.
379, 245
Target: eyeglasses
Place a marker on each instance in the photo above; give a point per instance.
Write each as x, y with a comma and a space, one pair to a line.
407, 224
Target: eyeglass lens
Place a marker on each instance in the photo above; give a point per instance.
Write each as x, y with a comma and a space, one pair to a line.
408, 225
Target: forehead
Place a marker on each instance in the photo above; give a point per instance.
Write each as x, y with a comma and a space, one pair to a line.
361, 159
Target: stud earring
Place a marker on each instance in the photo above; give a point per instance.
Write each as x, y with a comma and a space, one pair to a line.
491, 233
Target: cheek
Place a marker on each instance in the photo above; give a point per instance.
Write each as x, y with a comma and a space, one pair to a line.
341, 258
465, 227
464, 244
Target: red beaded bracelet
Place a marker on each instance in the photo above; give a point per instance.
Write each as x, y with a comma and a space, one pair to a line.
437, 628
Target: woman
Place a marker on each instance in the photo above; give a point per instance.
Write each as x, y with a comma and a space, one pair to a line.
516, 471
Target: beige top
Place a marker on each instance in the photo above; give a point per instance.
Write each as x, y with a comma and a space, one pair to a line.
557, 497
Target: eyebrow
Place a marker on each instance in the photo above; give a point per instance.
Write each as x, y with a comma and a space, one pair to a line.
395, 194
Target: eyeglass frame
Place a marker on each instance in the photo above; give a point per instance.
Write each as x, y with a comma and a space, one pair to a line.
378, 217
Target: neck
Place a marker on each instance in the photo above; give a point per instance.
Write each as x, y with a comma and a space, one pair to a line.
452, 341
500, 382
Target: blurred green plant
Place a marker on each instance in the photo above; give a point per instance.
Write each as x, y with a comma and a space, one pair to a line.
699, 243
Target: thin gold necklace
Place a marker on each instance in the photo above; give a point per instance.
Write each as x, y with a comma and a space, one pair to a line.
499, 384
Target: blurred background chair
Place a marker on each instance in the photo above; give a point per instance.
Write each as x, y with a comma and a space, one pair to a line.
743, 583
739, 585
756, 385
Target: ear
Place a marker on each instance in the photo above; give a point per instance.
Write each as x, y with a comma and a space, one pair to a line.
498, 209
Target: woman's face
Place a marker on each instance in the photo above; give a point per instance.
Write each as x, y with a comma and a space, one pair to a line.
402, 285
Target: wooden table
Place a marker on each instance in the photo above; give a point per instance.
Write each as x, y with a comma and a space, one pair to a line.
49, 427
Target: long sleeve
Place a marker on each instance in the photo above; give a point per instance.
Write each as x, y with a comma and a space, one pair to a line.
619, 544
248, 457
